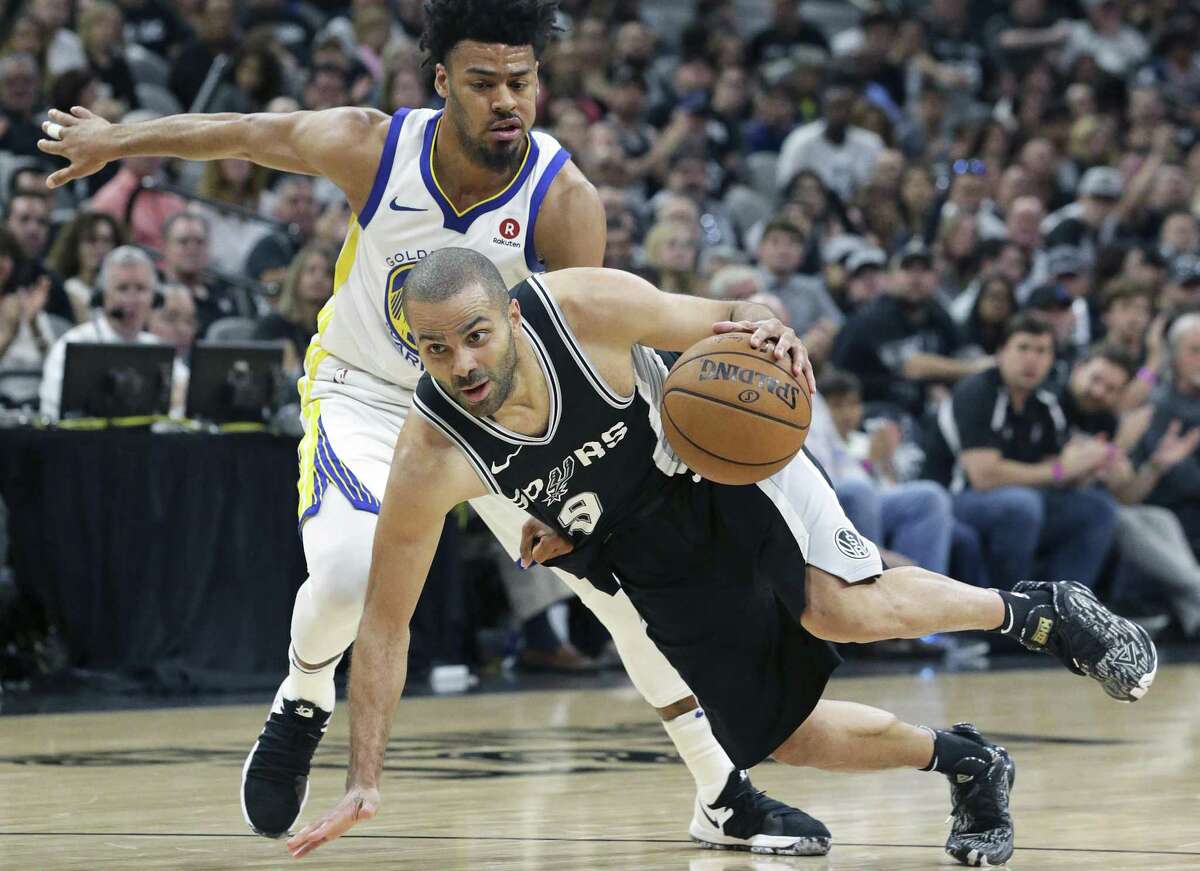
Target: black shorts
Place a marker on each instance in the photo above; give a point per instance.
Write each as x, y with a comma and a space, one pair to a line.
718, 574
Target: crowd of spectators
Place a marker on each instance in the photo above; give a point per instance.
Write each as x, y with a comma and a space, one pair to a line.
983, 217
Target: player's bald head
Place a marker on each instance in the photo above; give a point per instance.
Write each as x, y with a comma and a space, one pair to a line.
448, 272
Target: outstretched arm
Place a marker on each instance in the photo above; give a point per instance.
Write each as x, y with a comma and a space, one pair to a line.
428, 478
611, 306
342, 144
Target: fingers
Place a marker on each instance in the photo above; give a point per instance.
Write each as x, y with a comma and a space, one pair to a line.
60, 178
527, 542
733, 327
63, 118
81, 112
550, 546
52, 145
328, 828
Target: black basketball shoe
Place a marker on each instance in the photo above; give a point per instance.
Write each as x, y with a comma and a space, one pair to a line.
982, 829
275, 776
744, 818
1090, 639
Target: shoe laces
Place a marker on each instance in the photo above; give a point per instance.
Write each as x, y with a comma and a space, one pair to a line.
286, 747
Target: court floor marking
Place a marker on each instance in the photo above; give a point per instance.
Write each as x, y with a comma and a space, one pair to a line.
510, 838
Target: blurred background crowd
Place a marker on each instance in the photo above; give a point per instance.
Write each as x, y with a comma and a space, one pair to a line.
982, 216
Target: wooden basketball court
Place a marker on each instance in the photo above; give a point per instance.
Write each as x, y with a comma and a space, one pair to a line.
585, 779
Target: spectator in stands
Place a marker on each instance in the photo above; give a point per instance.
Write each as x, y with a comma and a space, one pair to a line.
173, 321
1150, 538
739, 281
187, 256
811, 312
403, 86
995, 304
1019, 480
216, 34
257, 77
1126, 309
917, 195
1092, 220
1176, 403
904, 340
912, 518
154, 25
688, 177
842, 155
64, 50
671, 258
1052, 303
1182, 287
78, 250
20, 84
146, 211
1115, 47
128, 282
27, 218
296, 209
328, 86
26, 330
239, 183
307, 287
101, 27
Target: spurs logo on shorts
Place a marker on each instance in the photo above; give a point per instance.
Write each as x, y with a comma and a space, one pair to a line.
851, 544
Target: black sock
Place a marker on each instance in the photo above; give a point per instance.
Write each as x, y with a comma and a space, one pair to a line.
954, 754
1016, 610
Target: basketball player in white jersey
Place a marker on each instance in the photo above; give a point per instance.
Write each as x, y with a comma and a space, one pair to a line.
472, 175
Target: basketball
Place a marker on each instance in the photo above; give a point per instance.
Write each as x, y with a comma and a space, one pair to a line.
732, 412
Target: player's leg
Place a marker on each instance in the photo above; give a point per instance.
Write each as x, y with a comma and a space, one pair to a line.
344, 459
847, 598
746, 818
844, 736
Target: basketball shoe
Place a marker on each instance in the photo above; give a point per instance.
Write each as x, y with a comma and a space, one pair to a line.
275, 776
982, 829
1090, 639
744, 818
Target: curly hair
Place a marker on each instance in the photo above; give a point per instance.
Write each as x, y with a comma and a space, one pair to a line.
510, 22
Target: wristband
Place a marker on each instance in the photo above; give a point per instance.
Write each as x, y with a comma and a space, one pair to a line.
1147, 376
1058, 472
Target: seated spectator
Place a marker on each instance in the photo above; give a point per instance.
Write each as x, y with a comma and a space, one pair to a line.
216, 34
995, 304
1116, 48
738, 281
1052, 303
1093, 219
1179, 235
27, 218
239, 183
780, 253
912, 518
186, 260
147, 213
1018, 480
26, 330
77, 253
842, 155
688, 177
905, 340
127, 281
864, 278
1176, 404
155, 25
1149, 538
295, 207
101, 29
1127, 309
1182, 288
20, 84
173, 321
307, 287
671, 255
64, 51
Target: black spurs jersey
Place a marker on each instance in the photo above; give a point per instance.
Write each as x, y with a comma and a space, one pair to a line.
601, 456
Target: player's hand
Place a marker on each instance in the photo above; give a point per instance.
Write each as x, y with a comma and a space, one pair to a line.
77, 136
359, 804
785, 340
540, 542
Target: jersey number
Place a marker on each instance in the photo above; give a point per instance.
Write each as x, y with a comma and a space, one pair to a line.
580, 513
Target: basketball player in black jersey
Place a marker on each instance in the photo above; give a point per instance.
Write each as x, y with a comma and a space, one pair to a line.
549, 396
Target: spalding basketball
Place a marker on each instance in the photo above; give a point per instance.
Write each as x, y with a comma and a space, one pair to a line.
732, 412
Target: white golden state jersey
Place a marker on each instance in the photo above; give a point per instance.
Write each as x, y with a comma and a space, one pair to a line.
405, 218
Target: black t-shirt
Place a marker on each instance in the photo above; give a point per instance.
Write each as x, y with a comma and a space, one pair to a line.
877, 341
1087, 422
154, 25
984, 417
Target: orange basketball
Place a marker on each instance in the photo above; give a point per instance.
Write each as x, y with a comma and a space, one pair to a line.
733, 413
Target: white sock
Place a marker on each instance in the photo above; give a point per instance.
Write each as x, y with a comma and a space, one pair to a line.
704, 757
312, 685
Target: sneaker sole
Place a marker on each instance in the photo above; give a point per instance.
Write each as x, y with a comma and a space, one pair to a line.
246, 813
1147, 679
777, 845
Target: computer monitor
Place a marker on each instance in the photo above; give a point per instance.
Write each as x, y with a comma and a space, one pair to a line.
112, 380
234, 382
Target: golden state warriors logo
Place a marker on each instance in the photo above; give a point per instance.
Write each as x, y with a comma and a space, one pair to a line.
402, 336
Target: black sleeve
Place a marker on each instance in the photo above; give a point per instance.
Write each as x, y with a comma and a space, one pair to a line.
973, 400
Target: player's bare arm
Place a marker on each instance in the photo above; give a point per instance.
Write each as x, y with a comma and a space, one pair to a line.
429, 476
342, 144
610, 308
571, 228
